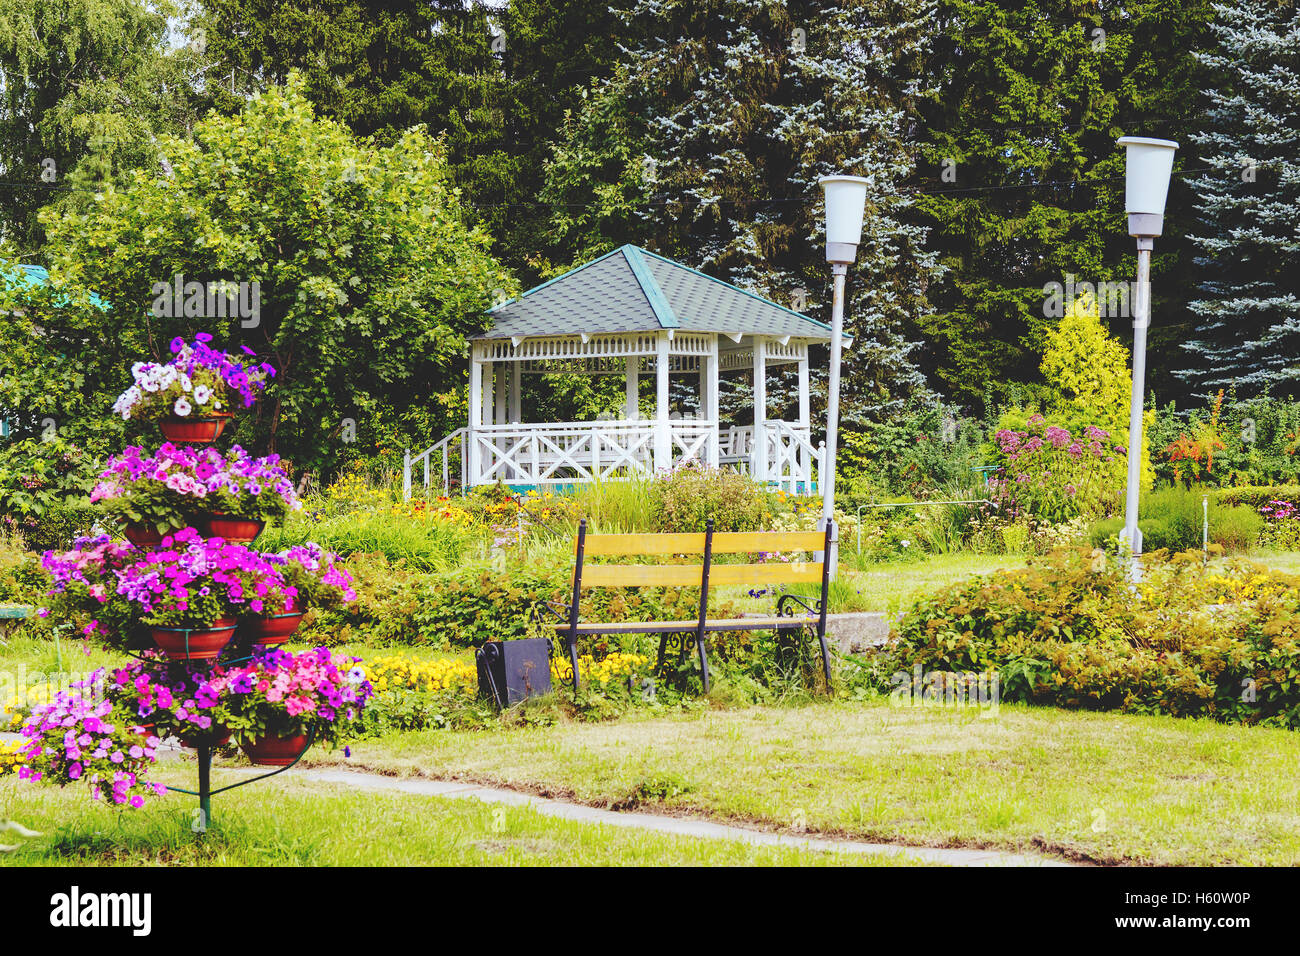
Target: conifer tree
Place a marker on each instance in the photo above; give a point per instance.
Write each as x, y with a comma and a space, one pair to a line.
1248, 236
738, 108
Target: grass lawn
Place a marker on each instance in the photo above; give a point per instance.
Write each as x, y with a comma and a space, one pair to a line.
284, 823
1100, 787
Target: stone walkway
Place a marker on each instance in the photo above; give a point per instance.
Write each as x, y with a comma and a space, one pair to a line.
679, 826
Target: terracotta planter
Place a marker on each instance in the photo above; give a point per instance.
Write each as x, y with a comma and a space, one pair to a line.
194, 431
233, 530
142, 535
270, 628
276, 751
194, 644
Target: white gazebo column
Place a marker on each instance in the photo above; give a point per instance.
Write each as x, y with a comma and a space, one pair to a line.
663, 435
712, 409
805, 422
633, 401
759, 453
499, 413
475, 414
516, 392
487, 458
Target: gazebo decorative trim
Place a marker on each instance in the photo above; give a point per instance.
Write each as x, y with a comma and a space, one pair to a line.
631, 312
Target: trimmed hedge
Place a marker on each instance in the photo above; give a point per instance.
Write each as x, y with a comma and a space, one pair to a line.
1256, 496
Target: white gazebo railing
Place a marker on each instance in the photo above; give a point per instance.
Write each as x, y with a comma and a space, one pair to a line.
573, 452
560, 453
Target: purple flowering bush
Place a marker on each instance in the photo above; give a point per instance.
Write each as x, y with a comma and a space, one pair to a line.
1053, 475
199, 381
83, 738
168, 488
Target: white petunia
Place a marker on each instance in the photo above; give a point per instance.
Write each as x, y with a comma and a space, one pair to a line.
201, 394
182, 407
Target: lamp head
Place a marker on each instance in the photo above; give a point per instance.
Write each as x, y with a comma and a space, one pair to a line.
846, 201
1148, 165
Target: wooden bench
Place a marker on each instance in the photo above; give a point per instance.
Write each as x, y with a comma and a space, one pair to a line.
690, 634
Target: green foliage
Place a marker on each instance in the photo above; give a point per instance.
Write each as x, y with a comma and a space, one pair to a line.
1254, 441
1028, 96
912, 456
370, 278
424, 545
1173, 518
1257, 496
44, 489
1086, 370
85, 87
685, 499
61, 361
1070, 631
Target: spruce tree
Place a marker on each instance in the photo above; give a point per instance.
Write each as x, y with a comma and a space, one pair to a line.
1248, 236
739, 107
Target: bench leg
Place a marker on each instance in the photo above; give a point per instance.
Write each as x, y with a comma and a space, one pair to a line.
704, 662
826, 658
573, 658
663, 652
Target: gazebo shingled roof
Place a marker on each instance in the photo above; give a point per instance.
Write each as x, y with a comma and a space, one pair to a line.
635, 290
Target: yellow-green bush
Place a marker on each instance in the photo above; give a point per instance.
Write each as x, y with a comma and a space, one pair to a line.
1070, 631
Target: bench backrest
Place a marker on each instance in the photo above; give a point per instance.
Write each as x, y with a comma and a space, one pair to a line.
706, 544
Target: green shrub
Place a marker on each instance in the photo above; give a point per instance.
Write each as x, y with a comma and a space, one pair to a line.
44, 491
1070, 631
683, 500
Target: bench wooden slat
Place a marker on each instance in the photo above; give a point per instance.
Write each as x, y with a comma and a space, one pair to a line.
627, 544
729, 542
752, 542
774, 572
690, 575
642, 575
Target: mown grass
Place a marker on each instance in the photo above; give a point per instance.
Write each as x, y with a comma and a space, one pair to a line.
294, 823
1103, 787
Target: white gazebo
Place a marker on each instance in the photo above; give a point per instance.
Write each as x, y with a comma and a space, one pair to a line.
631, 313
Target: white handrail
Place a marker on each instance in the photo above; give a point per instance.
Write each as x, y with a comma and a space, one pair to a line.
445, 447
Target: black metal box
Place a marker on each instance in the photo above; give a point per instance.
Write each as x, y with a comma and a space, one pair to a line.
511, 671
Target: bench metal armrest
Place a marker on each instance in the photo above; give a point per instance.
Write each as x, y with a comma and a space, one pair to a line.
550, 609
784, 609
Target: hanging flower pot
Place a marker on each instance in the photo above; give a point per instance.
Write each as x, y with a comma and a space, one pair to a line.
270, 628
276, 751
214, 736
142, 535
194, 431
233, 530
194, 644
